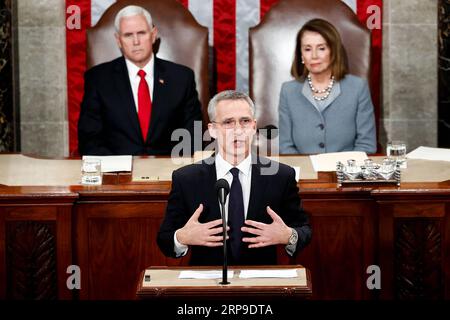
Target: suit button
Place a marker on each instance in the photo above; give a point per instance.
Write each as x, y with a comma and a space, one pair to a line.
321, 126
322, 145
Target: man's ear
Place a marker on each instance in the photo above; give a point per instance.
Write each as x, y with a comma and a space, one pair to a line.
154, 34
212, 131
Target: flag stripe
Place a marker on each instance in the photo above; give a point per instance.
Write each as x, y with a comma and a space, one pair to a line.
76, 65
376, 37
247, 16
202, 10
225, 43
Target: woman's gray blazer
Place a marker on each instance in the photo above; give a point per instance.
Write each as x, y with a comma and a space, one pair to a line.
346, 124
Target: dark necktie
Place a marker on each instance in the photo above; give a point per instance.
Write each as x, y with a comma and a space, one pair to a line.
235, 215
144, 104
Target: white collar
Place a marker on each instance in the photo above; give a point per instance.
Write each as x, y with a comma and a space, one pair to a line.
223, 166
148, 68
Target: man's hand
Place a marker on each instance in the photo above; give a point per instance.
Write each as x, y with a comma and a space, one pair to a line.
201, 234
267, 234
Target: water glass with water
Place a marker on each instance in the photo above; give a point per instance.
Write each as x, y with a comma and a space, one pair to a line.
396, 150
91, 172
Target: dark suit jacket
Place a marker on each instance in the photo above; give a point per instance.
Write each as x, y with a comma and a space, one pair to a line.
109, 123
194, 184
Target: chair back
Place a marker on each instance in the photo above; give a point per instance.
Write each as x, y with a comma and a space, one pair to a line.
180, 39
272, 46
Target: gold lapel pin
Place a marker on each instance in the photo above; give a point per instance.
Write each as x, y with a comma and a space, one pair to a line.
161, 81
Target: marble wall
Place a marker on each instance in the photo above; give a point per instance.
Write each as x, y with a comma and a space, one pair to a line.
409, 88
43, 85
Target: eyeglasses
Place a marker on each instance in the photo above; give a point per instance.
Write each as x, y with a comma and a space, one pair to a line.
231, 123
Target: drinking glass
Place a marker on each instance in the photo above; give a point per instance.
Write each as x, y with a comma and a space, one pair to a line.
91, 172
396, 150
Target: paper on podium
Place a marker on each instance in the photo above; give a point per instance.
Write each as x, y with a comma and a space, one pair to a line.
204, 274
114, 163
268, 273
427, 153
327, 161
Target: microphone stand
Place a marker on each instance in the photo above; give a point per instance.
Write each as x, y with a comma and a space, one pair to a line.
224, 232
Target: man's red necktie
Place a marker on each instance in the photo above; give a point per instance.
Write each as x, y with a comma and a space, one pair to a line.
144, 104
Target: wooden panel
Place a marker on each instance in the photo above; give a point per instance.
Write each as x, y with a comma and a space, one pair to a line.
353, 227
115, 243
413, 243
342, 248
446, 252
386, 250
337, 207
3, 275
418, 209
418, 270
118, 251
64, 250
38, 250
31, 260
125, 210
41, 213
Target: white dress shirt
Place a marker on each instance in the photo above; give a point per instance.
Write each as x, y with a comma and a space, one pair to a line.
135, 79
223, 172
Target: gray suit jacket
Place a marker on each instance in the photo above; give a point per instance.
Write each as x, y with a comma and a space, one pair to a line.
347, 123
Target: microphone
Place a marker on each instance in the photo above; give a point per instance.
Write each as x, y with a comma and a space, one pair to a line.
222, 190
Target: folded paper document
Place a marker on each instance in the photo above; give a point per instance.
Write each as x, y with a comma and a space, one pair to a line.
427, 153
269, 273
114, 163
204, 274
327, 161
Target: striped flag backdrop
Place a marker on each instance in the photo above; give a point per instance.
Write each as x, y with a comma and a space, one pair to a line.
228, 22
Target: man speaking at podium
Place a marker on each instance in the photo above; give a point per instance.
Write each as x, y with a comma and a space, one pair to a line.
263, 207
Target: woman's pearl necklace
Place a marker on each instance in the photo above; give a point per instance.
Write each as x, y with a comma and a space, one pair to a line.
327, 90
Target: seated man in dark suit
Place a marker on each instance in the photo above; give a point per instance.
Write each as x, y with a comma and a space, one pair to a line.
263, 207
131, 105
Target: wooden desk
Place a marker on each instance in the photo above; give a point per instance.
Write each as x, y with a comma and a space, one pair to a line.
110, 230
164, 284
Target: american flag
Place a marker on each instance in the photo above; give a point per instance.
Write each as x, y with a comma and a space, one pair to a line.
228, 22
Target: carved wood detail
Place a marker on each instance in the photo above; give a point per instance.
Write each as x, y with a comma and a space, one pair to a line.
31, 260
418, 262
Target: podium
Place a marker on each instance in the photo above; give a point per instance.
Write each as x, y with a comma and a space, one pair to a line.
164, 283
